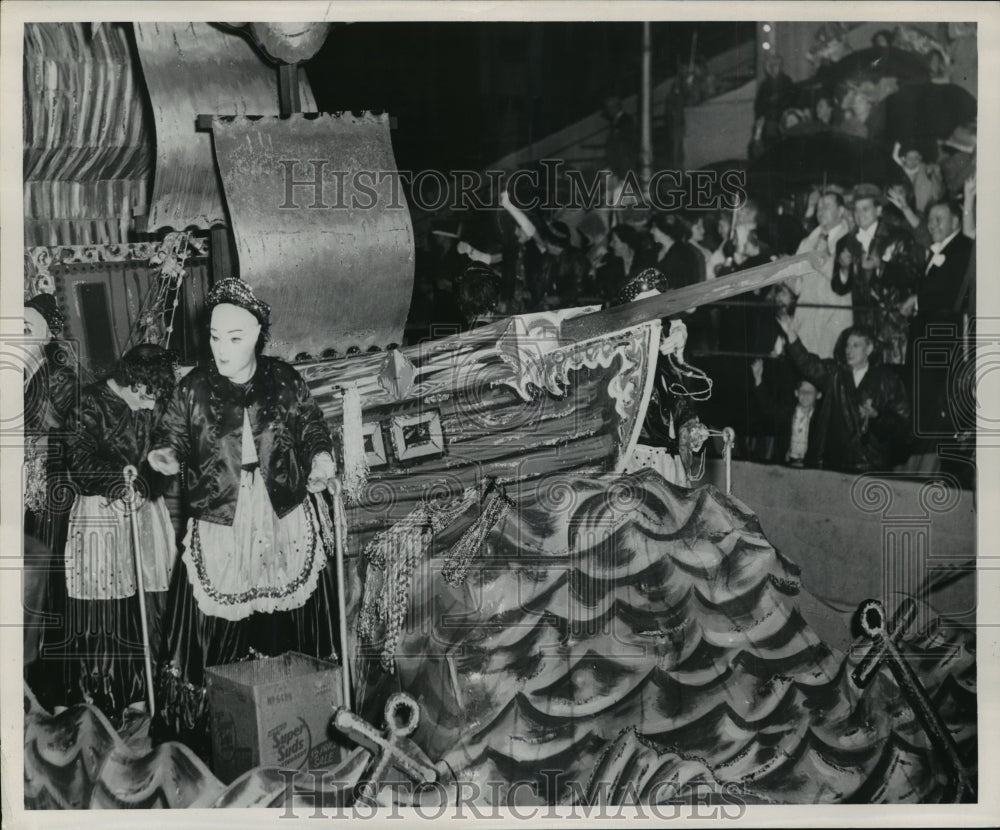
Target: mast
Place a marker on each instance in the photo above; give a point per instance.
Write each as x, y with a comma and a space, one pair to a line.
646, 140
669, 303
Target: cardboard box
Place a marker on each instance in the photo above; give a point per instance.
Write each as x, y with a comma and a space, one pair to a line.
273, 712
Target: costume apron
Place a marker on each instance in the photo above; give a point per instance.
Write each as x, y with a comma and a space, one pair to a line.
257, 587
101, 647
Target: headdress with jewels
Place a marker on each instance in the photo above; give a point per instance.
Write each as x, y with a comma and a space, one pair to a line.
649, 280
236, 292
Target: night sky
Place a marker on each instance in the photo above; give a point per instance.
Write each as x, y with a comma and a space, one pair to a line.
466, 94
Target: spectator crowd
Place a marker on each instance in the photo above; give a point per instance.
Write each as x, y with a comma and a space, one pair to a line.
842, 366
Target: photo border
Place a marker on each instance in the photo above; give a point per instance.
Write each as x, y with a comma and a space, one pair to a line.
15, 12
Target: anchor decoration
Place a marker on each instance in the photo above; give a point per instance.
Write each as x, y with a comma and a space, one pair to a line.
392, 749
886, 636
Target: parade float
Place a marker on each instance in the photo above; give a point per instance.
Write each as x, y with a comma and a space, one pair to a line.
527, 625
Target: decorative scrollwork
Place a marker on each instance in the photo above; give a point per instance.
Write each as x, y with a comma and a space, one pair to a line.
875, 494
942, 495
872, 495
537, 360
169, 255
378, 497
624, 496
61, 493
557, 495
443, 490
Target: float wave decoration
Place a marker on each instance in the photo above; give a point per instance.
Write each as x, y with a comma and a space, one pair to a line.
635, 636
666, 610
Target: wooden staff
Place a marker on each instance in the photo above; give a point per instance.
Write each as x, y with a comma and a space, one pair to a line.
729, 438
130, 474
340, 541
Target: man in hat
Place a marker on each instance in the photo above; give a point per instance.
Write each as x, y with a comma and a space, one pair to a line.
477, 293
825, 313
567, 269
877, 266
437, 264
477, 288
864, 415
528, 266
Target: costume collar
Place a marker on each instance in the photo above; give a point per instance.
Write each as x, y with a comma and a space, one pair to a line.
225, 385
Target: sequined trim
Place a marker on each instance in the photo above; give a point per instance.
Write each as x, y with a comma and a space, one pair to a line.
267, 599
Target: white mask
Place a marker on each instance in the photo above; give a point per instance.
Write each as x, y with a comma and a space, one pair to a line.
36, 335
233, 337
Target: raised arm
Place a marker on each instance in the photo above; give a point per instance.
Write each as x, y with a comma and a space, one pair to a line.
812, 367
764, 401
526, 225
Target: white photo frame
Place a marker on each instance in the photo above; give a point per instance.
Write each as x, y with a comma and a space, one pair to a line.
374, 444
417, 436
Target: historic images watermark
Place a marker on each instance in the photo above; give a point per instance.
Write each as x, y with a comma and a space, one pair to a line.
318, 794
314, 184
558, 497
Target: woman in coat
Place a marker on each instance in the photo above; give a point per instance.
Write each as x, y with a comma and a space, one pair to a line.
253, 578
102, 646
672, 433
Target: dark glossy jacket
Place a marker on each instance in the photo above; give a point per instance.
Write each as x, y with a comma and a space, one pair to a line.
843, 441
105, 436
664, 407
944, 291
875, 293
203, 423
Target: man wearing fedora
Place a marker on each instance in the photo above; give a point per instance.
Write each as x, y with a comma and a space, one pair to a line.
878, 266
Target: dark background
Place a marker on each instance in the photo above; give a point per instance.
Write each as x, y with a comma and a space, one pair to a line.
466, 94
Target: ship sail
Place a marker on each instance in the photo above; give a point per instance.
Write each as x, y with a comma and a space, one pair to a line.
193, 69
322, 230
